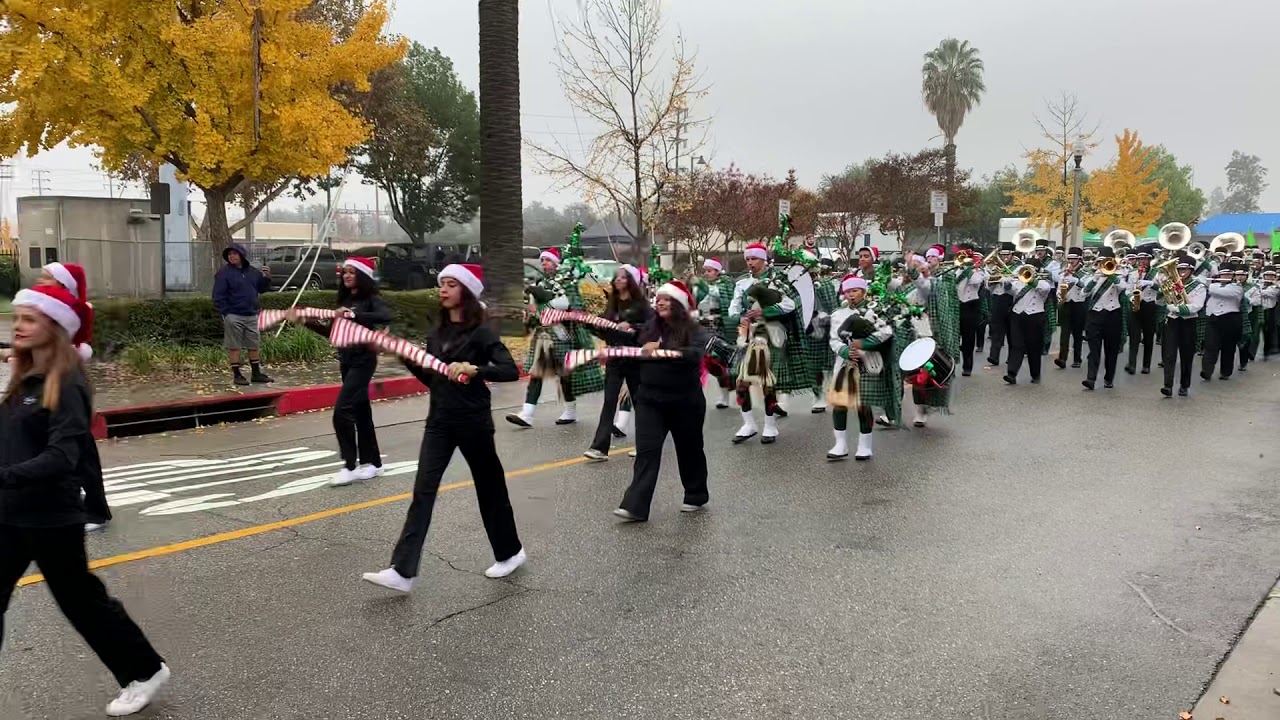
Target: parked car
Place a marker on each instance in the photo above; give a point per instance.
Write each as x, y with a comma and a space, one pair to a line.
405, 266
307, 270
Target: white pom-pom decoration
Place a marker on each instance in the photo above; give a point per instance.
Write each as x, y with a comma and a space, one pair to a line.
85, 350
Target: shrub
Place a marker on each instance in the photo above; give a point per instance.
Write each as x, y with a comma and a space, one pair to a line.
10, 282
192, 321
294, 345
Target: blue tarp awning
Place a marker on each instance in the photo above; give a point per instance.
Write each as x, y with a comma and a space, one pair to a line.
1239, 222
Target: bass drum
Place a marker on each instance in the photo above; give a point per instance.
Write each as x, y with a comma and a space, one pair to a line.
925, 351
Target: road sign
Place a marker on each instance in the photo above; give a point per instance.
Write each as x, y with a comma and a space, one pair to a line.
938, 201
784, 207
937, 219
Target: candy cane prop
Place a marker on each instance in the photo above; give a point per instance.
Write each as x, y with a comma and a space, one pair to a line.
576, 358
346, 333
551, 316
268, 319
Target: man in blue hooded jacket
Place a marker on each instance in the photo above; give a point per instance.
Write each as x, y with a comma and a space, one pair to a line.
235, 294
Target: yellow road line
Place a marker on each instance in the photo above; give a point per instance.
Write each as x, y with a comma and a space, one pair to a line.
242, 533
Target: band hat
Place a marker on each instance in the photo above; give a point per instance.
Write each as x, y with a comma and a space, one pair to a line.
469, 276
1106, 252
852, 282
361, 264
634, 272
55, 303
678, 291
552, 254
1185, 261
711, 264
757, 251
1074, 252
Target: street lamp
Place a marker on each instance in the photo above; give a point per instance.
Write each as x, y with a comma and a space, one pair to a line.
1077, 154
700, 160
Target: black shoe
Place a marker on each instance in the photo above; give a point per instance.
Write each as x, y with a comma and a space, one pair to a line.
1035, 381
1011, 380
967, 373
1062, 364
1244, 368
240, 379
515, 419
1162, 364
1088, 384
1166, 391
817, 410
617, 433
1146, 371
1076, 364
993, 363
257, 375
1206, 377
1108, 384
779, 412
1224, 377
766, 440
1182, 392
1130, 369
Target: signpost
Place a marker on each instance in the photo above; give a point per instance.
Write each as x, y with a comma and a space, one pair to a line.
784, 208
938, 205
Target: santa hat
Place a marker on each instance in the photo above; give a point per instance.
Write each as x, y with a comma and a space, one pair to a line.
678, 291
71, 277
935, 251
471, 277
55, 303
713, 264
552, 254
756, 250
852, 282
875, 253
634, 272
361, 264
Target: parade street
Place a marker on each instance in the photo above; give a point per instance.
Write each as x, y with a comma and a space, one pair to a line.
1044, 553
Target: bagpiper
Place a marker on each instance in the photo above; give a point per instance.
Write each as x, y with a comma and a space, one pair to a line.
821, 357
861, 378
714, 296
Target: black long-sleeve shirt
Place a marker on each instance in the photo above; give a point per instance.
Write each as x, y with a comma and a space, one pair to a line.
669, 380
634, 311
454, 402
371, 312
46, 456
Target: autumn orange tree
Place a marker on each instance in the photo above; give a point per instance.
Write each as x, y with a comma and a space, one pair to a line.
1044, 196
1126, 194
228, 92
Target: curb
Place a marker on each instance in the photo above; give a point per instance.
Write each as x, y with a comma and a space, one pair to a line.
1249, 678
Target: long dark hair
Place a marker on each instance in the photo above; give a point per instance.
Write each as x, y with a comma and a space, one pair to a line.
614, 306
365, 288
677, 332
473, 314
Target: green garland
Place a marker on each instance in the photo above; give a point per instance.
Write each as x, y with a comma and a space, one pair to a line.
657, 276
782, 255
571, 255
894, 304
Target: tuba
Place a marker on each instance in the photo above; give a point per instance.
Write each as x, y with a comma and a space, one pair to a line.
1122, 241
1174, 236
1026, 240
1197, 251
1227, 243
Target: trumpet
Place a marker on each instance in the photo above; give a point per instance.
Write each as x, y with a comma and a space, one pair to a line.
1107, 266
1028, 274
994, 265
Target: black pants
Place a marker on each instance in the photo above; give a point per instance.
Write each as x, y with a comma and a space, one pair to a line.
613, 379
1001, 310
1221, 337
96, 509
970, 321
99, 618
1179, 346
353, 414
475, 440
1026, 339
1142, 328
683, 420
1102, 329
1269, 333
1071, 318
534, 391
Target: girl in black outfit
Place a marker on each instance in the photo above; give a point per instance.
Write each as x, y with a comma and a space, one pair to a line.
669, 399
353, 425
627, 306
46, 458
460, 418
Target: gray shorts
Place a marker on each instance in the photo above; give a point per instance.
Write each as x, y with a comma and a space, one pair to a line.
240, 332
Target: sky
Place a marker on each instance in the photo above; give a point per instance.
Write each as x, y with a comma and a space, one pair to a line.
816, 85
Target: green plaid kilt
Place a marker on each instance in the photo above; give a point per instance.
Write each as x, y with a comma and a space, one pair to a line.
1051, 310
984, 308
1200, 325
1252, 328
789, 364
588, 378
818, 354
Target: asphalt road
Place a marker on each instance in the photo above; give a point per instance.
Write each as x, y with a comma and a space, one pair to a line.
1043, 553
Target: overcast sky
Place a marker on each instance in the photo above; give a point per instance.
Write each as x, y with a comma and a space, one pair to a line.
819, 84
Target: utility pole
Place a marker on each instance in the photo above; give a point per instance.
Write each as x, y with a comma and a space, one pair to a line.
39, 178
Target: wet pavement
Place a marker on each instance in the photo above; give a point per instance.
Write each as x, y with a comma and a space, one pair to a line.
1043, 553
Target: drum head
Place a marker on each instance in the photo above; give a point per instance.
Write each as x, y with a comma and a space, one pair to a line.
917, 354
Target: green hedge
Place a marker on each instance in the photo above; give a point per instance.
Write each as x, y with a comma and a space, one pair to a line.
193, 320
9, 280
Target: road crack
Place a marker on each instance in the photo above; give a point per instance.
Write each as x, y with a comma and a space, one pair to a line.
1154, 611
519, 591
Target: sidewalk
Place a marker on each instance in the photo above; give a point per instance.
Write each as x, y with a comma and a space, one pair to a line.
1250, 678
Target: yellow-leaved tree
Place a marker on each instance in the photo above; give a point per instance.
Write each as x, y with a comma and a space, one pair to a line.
229, 92
1126, 194
1044, 196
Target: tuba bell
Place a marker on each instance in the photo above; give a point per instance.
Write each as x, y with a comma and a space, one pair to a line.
1174, 236
1026, 240
1121, 241
1227, 243
1197, 251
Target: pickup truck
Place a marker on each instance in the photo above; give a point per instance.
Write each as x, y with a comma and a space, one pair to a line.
283, 260
405, 266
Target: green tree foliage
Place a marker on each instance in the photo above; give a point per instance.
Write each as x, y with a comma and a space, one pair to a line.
980, 220
1246, 179
1186, 202
952, 86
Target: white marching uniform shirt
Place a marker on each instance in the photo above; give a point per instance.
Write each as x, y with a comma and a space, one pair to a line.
1195, 303
968, 291
918, 294
1033, 301
1254, 296
1270, 295
1149, 287
1076, 291
1110, 300
1224, 298
883, 331
737, 309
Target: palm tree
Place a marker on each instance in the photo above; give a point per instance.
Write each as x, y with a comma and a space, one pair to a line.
501, 205
952, 86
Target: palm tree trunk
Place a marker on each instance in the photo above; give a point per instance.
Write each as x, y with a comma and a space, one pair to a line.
950, 150
501, 219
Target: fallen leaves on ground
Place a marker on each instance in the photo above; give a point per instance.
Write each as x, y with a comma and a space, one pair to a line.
1224, 700
1184, 715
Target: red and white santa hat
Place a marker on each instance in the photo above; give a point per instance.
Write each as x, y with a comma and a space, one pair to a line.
713, 264
852, 282
757, 250
935, 251
470, 276
361, 264
634, 272
71, 277
678, 291
55, 303
875, 253
552, 254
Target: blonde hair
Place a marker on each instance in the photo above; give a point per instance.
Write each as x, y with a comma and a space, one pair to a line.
64, 360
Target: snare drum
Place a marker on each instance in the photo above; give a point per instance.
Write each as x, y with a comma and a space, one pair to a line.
925, 351
719, 350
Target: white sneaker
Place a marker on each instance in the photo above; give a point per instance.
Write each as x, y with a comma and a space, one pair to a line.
94, 527
506, 567
389, 579
524, 418
687, 508
770, 433
748, 429
622, 421
627, 515
840, 450
570, 414
368, 472
631, 453
594, 454
138, 694
864, 447
343, 478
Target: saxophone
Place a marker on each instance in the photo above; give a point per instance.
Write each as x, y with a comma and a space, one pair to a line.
1136, 295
